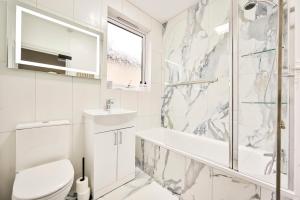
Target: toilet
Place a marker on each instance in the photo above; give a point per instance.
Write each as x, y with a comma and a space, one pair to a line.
43, 170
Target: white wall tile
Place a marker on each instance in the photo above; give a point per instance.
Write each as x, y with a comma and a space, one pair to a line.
77, 148
17, 98
297, 29
88, 12
115, 4
130, 10
3, 48
7, 164
29, 2
129, 100
53, 97
63, 8
148, 122
86, 95
156, 36
135, 14
156, 67
150, 101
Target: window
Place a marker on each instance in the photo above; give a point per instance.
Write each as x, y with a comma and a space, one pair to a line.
125, 55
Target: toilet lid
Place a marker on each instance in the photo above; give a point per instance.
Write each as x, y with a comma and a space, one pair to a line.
43, 180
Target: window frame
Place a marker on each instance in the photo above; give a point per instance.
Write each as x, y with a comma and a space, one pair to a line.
132, 28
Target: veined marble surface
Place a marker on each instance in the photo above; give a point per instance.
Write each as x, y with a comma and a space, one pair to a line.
191, 180
143, 187
194, 50
258, 78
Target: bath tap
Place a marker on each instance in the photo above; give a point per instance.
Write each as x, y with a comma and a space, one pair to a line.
270, 165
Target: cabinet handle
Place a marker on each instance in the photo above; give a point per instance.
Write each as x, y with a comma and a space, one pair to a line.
116, 138
121, 137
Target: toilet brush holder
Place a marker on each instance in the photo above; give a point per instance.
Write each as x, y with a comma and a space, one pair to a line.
82, 186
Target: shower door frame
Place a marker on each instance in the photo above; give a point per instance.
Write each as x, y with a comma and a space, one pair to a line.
234, 34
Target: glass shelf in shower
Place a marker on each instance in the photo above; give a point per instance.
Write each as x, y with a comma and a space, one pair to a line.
262, 102
284, 74
259, 52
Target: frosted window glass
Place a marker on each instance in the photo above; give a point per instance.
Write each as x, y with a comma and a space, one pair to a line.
124, 66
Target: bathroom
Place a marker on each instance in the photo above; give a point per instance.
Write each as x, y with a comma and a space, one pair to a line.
149, 99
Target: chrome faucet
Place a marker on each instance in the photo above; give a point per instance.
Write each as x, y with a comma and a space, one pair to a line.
108, 104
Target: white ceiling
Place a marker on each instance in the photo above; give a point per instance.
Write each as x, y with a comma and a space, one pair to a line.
162, 10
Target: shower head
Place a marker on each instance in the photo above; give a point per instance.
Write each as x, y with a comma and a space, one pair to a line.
252, 3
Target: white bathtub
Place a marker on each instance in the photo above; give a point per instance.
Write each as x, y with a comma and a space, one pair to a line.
214, 153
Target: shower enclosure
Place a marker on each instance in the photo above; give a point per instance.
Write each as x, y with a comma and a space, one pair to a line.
256, 92
221, 83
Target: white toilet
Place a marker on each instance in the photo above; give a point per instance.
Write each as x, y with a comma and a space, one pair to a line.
43, 170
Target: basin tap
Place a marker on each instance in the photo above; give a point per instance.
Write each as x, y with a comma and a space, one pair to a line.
108, 104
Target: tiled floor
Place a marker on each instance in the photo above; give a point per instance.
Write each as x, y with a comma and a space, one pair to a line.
142, 187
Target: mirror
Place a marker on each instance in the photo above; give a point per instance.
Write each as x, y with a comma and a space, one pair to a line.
47, 44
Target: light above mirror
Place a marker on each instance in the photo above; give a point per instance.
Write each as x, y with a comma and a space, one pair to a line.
48, 44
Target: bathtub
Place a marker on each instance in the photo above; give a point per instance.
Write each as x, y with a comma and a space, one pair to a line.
214, 153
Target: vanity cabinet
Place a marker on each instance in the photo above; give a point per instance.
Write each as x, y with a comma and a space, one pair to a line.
109, 150
126, 153
114, 158
106, 159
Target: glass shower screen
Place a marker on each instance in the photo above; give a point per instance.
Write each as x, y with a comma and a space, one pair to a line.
257, 92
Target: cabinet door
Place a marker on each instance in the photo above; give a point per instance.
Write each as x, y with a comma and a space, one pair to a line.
105, 159
126, 153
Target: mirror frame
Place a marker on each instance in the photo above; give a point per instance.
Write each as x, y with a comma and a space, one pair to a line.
16, 58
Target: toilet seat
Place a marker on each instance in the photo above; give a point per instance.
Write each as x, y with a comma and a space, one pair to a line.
43, 181
61, 194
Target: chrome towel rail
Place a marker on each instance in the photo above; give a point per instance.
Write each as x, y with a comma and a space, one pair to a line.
190, 83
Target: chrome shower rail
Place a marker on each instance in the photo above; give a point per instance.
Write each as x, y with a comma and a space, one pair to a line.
190, 83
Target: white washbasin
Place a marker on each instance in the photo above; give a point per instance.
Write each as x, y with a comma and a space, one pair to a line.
111, 112
110, 119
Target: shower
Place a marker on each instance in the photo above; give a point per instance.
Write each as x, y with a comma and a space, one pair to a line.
252, 3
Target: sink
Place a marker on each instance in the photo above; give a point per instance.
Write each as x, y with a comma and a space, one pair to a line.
111, 112
110, 119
